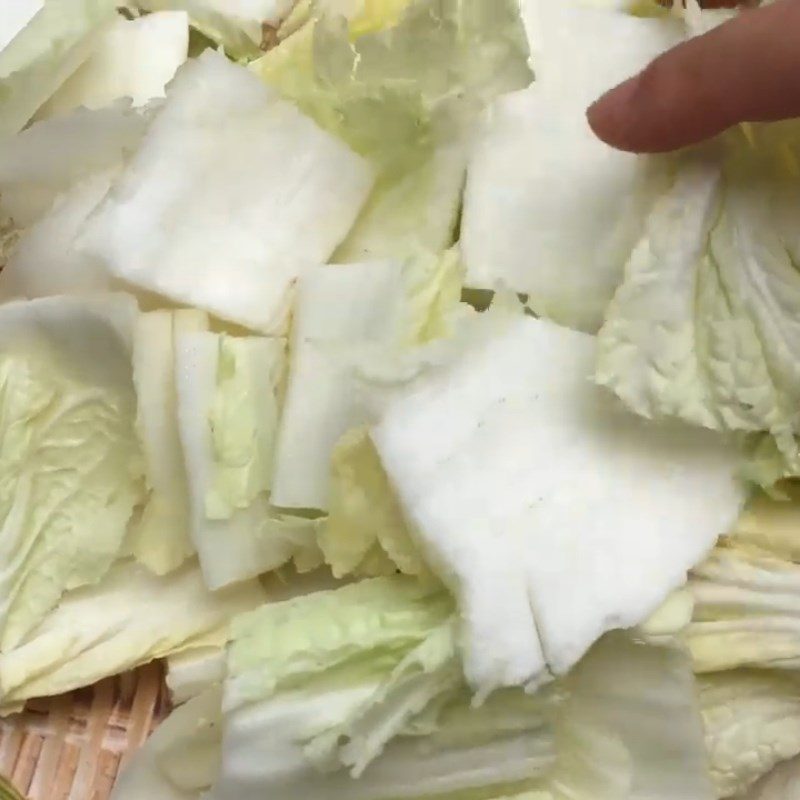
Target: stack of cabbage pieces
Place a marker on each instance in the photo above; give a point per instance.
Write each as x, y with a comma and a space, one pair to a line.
392, 546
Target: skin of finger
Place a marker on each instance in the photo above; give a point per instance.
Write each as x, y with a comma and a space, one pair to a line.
745, 70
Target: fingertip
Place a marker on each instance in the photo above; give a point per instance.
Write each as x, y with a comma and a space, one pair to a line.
612, 117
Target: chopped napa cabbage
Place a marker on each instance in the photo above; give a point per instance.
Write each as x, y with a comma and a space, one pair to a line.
364, 512
669, 620
402, 86
130, 618
192, 671
747, 611
703, 327
549, 210
131, 58
70, 465
37, 61
336, 306
752, 722
161, 539
228, 174
380, 307
766, 463
51, 156
385, 91
514, 471
227, 413
244, 28
15, 17
783, 783
364, 681
243, 420
772, 524
45, 260
410, 213
180, 758
631, 718
373, 688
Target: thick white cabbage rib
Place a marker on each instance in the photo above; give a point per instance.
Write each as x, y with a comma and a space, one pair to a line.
346, 316
51, 156
752, 722
45, 261
56, 41
132, 58
130, 618
70, 465
514, 471
338, 308
223, 147
549, 210
161, 538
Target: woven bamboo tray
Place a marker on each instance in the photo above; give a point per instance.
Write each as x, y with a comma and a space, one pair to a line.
72, 747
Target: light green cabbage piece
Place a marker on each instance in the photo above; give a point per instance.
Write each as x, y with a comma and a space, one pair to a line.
368, 697
365, 682
357, 694
132, 59
752, 722
130, 618
243, 420
192, 671
70, 465
747, 610
364, 513
385, 92
704, 326
56, 41
404, 90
